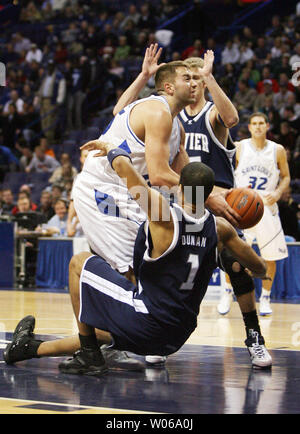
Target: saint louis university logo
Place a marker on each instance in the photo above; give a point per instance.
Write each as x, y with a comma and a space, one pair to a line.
2, 74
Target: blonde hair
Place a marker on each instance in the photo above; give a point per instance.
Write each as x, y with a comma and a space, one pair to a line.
194, 62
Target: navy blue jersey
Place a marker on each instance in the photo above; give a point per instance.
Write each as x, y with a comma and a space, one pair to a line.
202, 145
173, 285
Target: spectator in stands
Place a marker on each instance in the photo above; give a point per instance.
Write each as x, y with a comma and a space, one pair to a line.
254, 72
58, 173
133, 15
66, 177
30, 122
45, 206
296, 56
246, 53
261, 51
10, 124
276, 50
230, 54
280, 99
283, 66
27, 154
23, 205
57, 225
20, 43
244, 99
288, 210
57, 192
7, 201
24, 193
287, 137
123, 50
290, 116
248, 37
147, 20
276, 27
46, 148
34, 54
266, 75
267, 93
41, 162
16, 100
31, 13
196, 47
52, 94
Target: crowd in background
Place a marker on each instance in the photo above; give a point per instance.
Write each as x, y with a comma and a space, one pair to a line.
87, 52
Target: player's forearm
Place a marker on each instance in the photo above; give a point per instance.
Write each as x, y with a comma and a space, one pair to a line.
131, 93
180, 161
282, 186
223, 104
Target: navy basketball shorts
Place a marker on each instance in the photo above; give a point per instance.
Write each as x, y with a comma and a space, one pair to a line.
108, 302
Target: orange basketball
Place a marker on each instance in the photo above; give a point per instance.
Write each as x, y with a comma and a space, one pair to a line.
248, 204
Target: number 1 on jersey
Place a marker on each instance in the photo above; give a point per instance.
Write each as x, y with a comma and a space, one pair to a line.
193, 260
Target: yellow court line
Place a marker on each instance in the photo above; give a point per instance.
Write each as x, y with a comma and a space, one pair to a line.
14, 405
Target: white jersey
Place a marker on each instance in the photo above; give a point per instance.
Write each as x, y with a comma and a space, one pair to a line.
258, 167
110, 218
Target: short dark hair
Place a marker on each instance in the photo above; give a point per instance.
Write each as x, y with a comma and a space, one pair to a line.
195, 175
166, 73
260, 114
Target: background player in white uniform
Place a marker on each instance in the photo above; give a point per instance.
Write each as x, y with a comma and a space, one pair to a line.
262, 165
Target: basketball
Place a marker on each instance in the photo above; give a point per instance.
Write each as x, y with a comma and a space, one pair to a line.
248, 204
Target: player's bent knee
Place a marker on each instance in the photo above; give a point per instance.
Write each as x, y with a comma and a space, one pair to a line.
242, 283
77, 261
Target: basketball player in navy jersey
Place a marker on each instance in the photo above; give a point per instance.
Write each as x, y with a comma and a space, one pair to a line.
206, 126
208, 139
177, 252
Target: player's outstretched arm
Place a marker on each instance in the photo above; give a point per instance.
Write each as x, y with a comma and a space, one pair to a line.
244, 254
149, 68
223, 105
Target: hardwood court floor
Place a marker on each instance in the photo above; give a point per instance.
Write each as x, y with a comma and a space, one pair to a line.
210, 374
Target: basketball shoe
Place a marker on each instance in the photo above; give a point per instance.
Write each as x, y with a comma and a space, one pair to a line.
259, 355
264, 303
120, 361
23, 345
225, 301
85, 362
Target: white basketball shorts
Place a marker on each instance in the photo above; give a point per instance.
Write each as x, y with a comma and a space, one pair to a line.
110, 220
269, 236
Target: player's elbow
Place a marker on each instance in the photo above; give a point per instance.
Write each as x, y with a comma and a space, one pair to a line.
156, 180
232, 120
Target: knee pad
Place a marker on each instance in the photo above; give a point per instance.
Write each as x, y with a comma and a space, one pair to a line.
240, 280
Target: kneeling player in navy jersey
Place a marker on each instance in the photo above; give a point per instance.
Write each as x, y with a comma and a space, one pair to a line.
175, 255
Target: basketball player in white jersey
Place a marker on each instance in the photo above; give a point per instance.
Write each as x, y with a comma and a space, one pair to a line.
149, 131
262, 165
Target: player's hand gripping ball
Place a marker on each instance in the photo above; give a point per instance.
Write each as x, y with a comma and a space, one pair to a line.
248, 204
